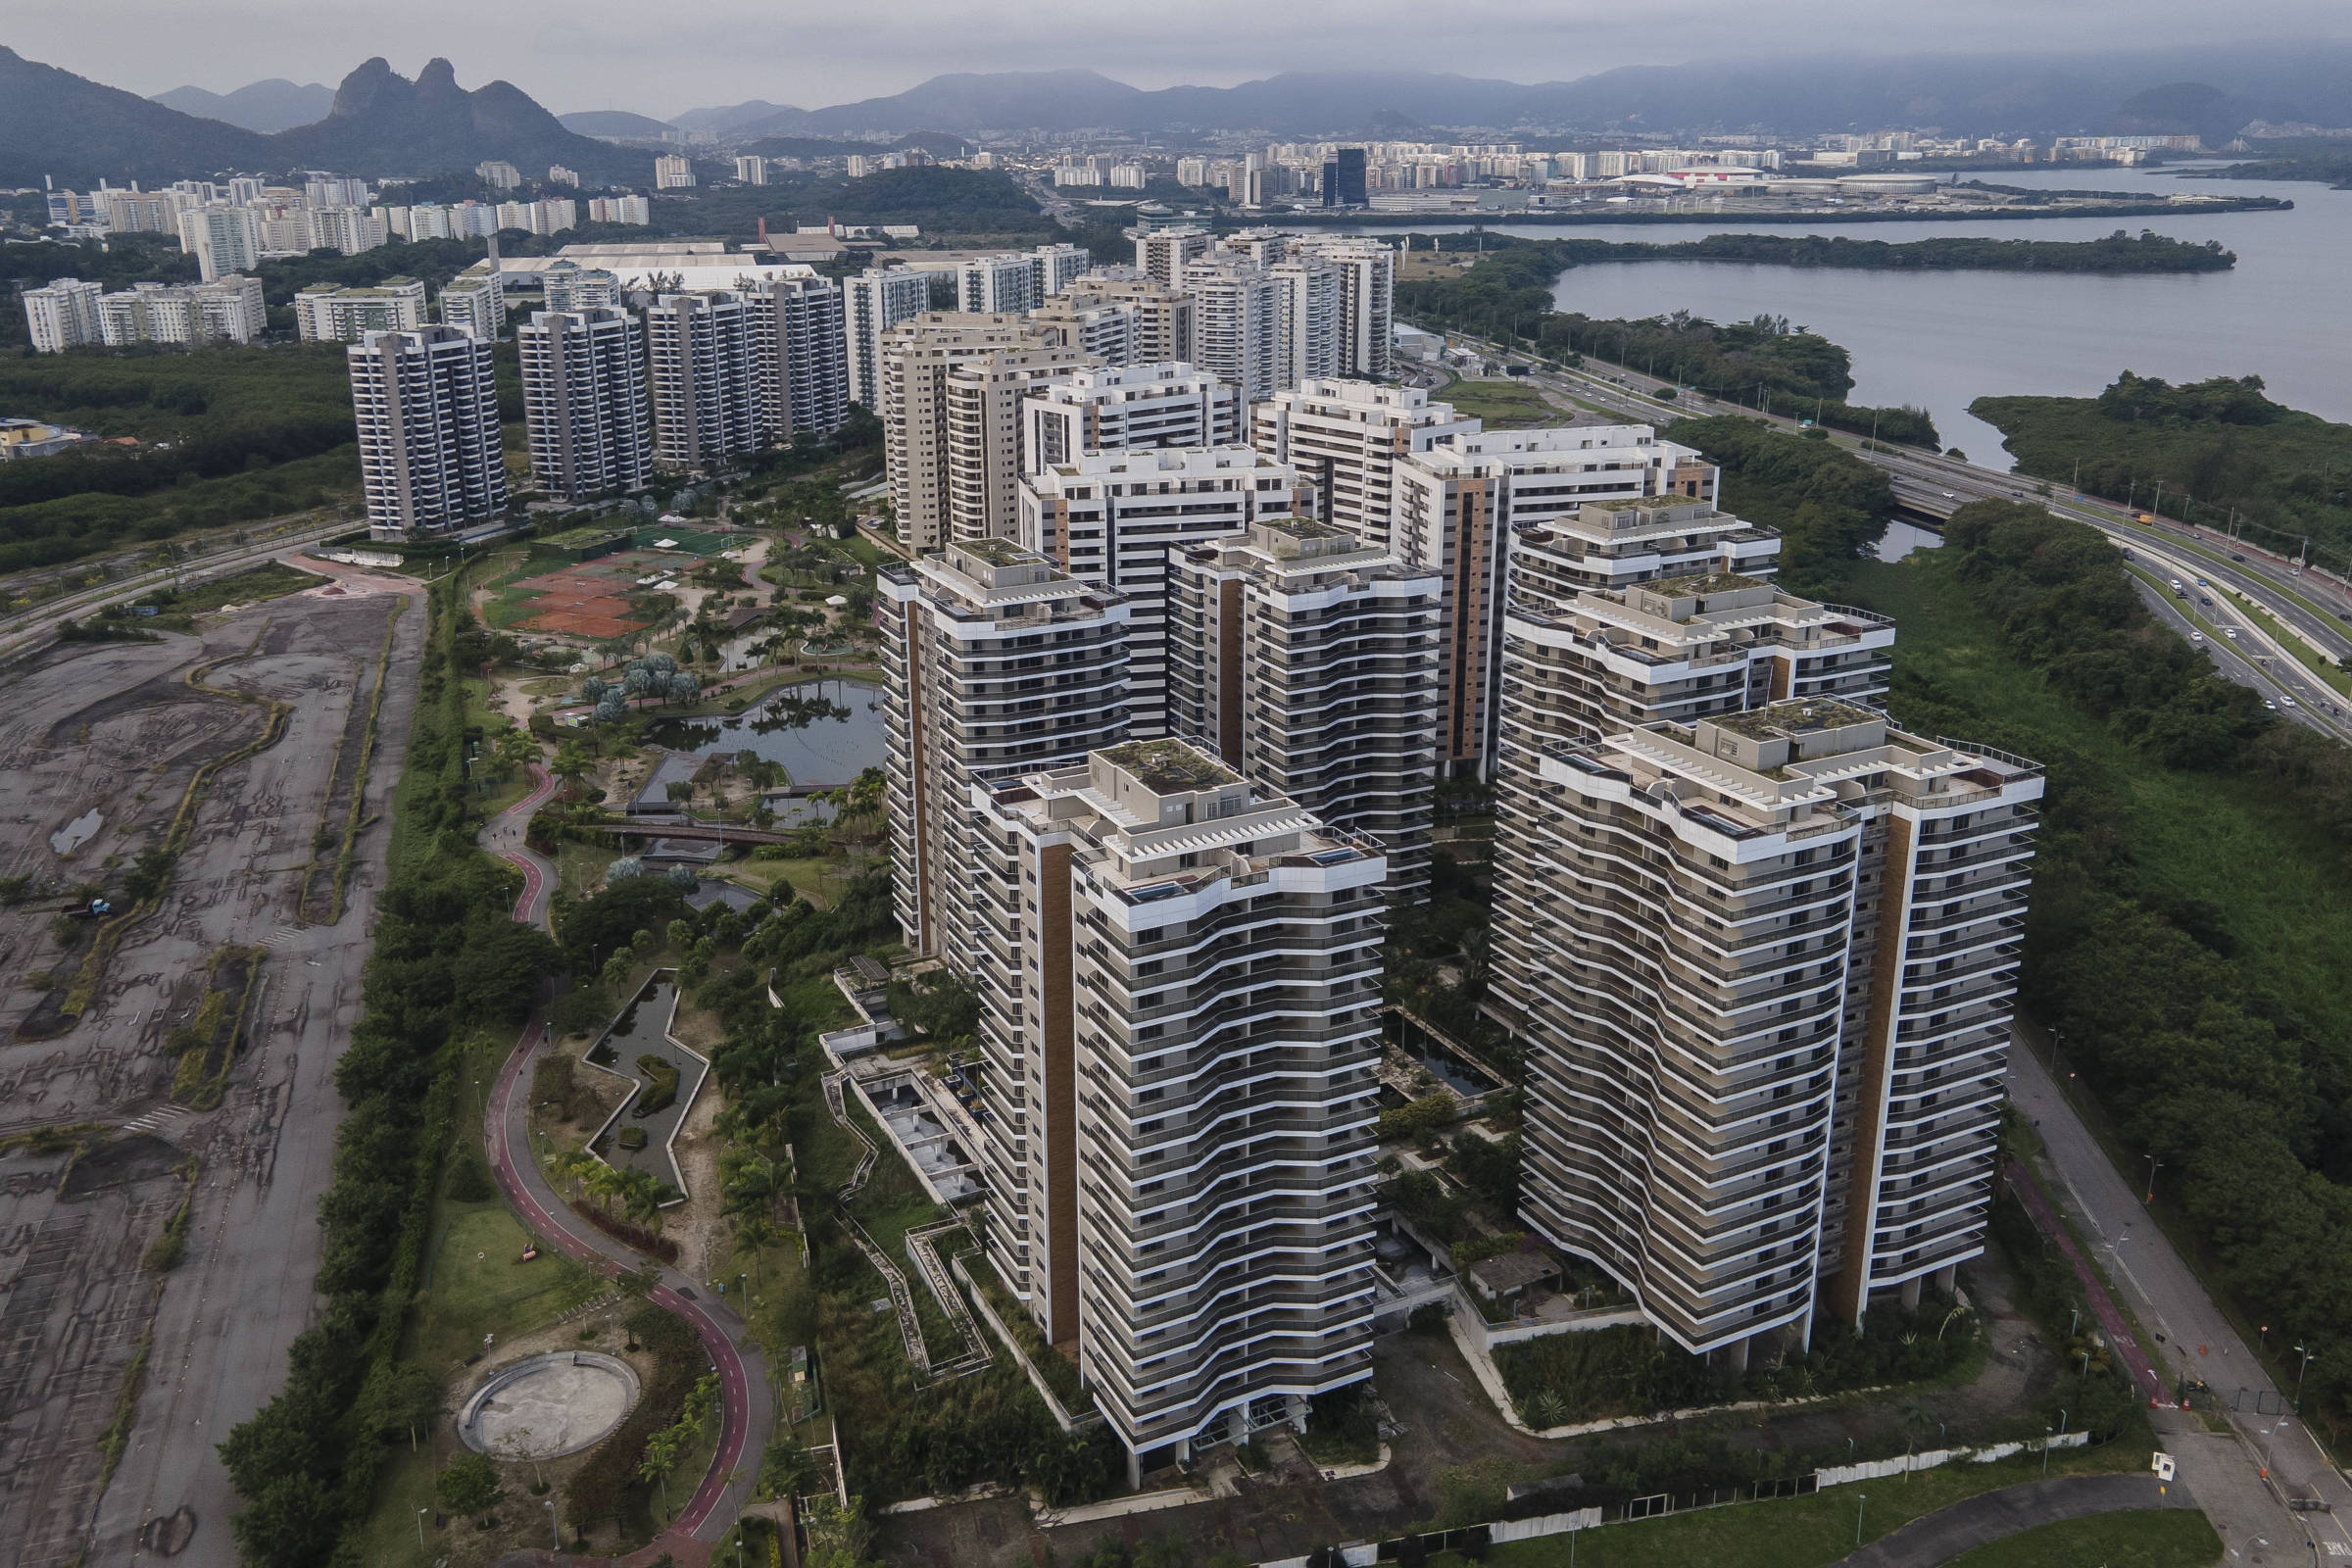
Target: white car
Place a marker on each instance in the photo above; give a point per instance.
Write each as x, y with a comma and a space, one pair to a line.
2197, 636
2272, 706
1948, 496
2230, 632
2287, 701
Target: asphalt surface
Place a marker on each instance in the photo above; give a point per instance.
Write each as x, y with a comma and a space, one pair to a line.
1993, 1516
2193, 1339
747, 1396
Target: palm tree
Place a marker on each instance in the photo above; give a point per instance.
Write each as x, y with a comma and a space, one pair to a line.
604, 1183
751, 1233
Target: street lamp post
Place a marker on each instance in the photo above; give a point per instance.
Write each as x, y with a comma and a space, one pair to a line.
2047, 1434
420, 1513
1860, 1498
2154, 1165
555, 1532
2299, 1371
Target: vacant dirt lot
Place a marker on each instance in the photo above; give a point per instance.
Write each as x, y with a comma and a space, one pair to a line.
124, 730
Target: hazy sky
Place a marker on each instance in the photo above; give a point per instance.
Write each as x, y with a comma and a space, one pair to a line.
660, 59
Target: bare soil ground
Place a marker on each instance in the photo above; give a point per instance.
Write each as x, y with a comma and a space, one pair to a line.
120, 730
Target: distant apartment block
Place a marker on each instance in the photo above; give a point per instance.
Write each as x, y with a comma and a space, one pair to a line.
584, 401
703, 365
229, 309
674, 171
474, 302
804, 367
872, 303
1119, 408
1344, 438
952, 391
498, 173
333, 313
63, 315
425, 403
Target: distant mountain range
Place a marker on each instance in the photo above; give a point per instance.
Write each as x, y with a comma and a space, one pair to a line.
1963, 95
610, 123
378, 122
262, 106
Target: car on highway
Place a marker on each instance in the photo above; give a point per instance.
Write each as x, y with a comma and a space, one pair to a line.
2204, 598
2197, 636
2287, 701
1948, 496
2234, 556
2202, 583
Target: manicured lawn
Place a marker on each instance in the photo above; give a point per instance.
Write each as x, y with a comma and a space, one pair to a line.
1803, 1532
479, 1286
2150, 1538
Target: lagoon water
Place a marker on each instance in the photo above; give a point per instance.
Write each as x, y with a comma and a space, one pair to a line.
1942, 339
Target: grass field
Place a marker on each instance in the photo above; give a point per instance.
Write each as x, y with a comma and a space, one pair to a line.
1809, 1532
1503, 405
2152, 1537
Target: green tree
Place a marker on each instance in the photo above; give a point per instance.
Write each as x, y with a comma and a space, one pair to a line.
469, 1486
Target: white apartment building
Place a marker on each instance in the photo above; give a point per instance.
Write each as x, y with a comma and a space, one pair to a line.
569, 286
476, 302
1458, 509
63, 315
332, 313
1237, 323
951, 390
1367, 271
1763, 967
1161, 320
1180, 983
997, 663
229, 309
425, 403
1105, 331
584, 401
1059, 267
498, 173
1311, 323
223, 239
872, 303
1124, 407
1115, 518
621, 210
796, 323
135, 212
750, 171
1162, 255
703, 365
1000, 285
674, 171
349, 229
1307, 659
557, 175
1344, 437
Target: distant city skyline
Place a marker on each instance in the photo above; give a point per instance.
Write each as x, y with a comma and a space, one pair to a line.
597, 54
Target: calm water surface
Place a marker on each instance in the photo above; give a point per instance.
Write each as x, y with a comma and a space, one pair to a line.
1940, 339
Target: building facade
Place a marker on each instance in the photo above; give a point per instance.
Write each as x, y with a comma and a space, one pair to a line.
431, 458
584, 401
874, 302
1180, 1019
803, 363
703, 369
330, 312
63, 315
1115, 518
997, 663
1119, 407
1308, 660
952, 391
1344, 438
474, 302
1763, 967
1458, 508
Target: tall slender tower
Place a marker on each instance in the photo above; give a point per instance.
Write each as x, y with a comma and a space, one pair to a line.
583, 400
1181, 1035
430, 454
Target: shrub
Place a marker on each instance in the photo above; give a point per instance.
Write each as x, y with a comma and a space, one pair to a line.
631, 1138
607, 1478
661, 1089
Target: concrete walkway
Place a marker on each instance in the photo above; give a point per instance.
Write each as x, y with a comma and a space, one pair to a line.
1995, 1515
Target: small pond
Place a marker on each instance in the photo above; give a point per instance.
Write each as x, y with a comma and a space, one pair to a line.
1901, 538
824, 732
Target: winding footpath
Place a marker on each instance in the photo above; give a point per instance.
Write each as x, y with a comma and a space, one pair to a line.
746, 1393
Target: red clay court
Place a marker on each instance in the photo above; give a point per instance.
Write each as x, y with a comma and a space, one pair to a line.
598, 599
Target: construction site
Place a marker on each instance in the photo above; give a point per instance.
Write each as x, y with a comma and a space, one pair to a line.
192, 829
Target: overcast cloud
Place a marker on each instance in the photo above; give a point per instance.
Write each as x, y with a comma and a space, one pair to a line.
660, 59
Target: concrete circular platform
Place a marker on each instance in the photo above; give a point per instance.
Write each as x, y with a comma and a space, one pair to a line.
546, 1406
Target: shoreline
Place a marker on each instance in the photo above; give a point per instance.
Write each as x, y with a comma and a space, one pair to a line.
1719, 218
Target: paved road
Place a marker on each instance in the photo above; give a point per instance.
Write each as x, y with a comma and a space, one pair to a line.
747, 1396
2196, 1339
2306, 599
1995, 1515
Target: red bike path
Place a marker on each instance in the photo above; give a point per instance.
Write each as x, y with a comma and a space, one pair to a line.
746, 1400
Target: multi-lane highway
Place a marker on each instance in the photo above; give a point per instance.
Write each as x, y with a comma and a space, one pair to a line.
2273, 617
